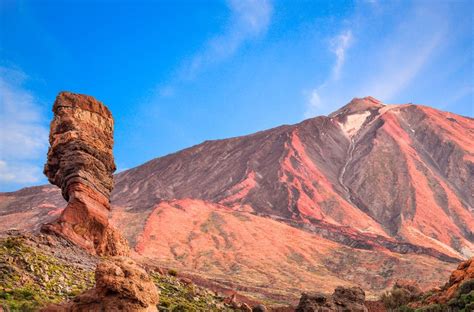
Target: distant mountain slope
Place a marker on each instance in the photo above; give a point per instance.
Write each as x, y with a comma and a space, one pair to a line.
401, 171
389, 181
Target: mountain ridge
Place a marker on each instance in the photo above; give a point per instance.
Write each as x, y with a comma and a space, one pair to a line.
386, 182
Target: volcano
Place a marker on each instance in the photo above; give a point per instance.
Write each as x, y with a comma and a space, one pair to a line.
366, 195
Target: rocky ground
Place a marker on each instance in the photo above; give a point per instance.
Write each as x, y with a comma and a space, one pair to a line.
266, 215
37, 270
363, 197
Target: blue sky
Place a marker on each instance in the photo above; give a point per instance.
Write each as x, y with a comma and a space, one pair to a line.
176, 73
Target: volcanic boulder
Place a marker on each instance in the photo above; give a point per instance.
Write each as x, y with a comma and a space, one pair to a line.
463, 273
343, 299
461, 281
81, 163
121, 285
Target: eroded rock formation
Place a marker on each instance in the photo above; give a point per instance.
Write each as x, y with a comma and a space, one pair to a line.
121, 285
373, 183
463, 274
460, 280
343, 299
81, 163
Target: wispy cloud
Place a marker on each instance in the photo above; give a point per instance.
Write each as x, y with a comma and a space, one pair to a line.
339, 46
23, 135
250, 18
314, 100
401, 61
461, 93
388, 67
24, 173
372, 2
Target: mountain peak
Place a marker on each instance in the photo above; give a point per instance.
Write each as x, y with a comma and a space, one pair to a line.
358, 105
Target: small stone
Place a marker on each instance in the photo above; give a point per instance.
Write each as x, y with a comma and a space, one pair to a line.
259, 308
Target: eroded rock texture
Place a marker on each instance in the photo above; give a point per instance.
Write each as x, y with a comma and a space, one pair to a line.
343, 299
461, 280
384, 188
121, 285
81, 163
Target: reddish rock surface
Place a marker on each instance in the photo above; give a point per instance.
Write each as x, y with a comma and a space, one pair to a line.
81, 163
375, 306
121, 285
368, 195
463, 274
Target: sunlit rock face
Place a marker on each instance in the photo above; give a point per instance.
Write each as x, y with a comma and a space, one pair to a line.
81, 163
367, 195
121, 285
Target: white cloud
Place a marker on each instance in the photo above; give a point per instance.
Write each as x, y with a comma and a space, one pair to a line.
19, 173
250, 18
315, 99
372, 2
389, 66
339, 46
23, 135
400, 65
458, 95
314, 104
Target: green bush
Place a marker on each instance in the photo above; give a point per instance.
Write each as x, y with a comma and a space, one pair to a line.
464, 302
176, 296
173, 272
433, 308
31, 278
396, 298
466, 287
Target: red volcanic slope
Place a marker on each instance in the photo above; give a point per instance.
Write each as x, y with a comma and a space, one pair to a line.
366, 195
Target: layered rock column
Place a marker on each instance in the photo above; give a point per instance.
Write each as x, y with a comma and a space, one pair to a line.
81, 163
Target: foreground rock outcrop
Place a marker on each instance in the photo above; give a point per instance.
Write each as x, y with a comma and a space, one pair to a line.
456, 295
463, 274
121, 285
383, 191
461, 281
343, 299
37, 270
81, 163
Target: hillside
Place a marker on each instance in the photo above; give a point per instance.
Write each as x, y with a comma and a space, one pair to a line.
366, 195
